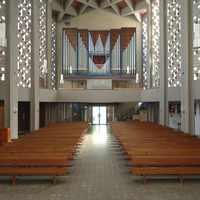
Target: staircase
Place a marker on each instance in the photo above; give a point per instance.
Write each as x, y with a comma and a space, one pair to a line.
127, 115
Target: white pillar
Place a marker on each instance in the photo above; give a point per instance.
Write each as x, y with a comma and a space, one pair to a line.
187, 95
163, 107
11, 79
35, 67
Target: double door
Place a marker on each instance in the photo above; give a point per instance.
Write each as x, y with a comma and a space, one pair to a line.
99, 115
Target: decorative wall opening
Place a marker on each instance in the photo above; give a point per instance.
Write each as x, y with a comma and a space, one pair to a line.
99, 53
174, 42
24, 44
42, 42
53, 55
2, 52
196, 58
155, 44
144, 52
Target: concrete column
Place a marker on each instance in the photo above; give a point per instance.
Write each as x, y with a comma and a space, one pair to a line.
163, 107
11, 79
149, 46
49, 44
35, 67
187, 100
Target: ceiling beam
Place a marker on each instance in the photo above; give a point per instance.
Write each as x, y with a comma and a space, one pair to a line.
93, 4
88, 9
116, 8
138, 16
140, 6
68, 4
82, 9
115, 1
110, 9
60, 16
130, 4
104, 4
71, 11
126, 11
57, 6
83, 1
148, 1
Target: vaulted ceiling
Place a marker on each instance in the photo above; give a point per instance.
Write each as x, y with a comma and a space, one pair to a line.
64, 9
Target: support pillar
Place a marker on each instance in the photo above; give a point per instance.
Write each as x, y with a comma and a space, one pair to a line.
35, 67
187, 96
163, 107
11, 79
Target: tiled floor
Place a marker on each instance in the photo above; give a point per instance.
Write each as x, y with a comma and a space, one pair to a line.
99, 173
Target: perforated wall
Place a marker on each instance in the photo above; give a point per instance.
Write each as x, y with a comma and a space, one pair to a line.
53, 54
24, 43
196, 58
174, 42
2, 52
42, 37
155, 43
144, 56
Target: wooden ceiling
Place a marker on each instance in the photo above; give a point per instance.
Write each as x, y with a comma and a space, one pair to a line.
132, 9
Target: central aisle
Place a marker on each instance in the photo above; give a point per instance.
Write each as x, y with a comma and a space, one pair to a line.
98, 172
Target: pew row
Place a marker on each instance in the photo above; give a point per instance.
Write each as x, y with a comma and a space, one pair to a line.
173, 165
18, 166
155, 149
43, 152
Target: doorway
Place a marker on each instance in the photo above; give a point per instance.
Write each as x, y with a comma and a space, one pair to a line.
99, 115
23, 117
2, 114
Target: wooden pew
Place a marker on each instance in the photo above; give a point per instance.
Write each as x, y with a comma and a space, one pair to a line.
180, 152
16, 162
158, 150
151, 143
37, 148
166, 165
162, 148
144, 139
34, 154
45, 151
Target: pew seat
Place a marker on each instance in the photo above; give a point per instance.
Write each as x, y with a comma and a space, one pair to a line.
36, 166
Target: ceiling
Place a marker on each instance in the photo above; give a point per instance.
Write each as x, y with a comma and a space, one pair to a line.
63, 10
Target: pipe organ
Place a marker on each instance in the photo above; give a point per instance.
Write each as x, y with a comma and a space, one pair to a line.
100, 53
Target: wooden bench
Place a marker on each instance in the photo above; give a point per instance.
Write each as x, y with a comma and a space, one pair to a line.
155, 149
37, 148
177, 143
180, 152
35, 154
18, 166
42, 152
144, 139
165, 165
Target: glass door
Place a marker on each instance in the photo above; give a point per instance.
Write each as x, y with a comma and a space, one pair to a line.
99, 115
95, 115
102, 115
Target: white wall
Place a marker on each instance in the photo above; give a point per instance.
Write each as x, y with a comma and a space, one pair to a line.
197, 119
99, 96
99, 83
